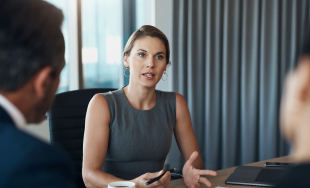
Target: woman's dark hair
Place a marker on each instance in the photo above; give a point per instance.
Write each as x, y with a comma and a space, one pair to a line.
147, 30
30, 39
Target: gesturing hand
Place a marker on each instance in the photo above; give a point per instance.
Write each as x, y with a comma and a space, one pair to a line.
163, 182
192, 175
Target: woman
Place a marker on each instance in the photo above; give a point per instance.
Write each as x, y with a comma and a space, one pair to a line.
128, 132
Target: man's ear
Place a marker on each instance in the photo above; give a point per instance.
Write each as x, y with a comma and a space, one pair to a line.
41, 81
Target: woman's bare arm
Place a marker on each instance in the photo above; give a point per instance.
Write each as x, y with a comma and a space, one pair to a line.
96, 139
187, 142
184, 132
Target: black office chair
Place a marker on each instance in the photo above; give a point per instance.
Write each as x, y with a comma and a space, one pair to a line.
66, 120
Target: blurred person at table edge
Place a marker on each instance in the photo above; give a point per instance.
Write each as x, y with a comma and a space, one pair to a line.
295, 120
31, 59
128, 132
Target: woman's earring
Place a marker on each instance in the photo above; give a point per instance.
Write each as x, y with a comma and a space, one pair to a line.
166, 76
127, 68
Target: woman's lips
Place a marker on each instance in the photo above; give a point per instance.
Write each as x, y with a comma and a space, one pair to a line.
148, 76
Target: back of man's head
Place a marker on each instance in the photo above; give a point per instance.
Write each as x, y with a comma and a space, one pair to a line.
30, 39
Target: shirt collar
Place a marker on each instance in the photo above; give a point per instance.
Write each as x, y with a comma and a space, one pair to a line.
17, 117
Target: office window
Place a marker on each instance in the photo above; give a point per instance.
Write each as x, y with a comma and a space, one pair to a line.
102, 43
140, 13
64, 76
102, 32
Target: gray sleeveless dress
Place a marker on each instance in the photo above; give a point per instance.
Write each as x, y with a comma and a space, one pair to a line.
139, 139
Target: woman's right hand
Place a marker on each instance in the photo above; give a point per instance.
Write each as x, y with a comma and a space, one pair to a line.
163, 182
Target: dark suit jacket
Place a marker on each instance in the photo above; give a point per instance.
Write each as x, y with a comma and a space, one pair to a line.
28, 162
297, 177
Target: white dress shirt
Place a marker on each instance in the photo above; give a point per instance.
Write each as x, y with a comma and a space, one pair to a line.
17, 117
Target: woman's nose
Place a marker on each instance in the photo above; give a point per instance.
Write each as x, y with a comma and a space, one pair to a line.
150, 63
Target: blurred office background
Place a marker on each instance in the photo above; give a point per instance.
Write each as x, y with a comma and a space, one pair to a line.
229, 59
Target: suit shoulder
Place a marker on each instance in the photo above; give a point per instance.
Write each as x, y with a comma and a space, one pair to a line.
20, 147
24, 156
21, 141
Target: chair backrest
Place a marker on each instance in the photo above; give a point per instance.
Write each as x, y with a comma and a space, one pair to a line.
66, 120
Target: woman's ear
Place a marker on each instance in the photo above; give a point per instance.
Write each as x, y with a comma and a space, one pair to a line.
126, 63
42, 81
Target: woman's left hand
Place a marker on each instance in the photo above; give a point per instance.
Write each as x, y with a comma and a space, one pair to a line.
192, 176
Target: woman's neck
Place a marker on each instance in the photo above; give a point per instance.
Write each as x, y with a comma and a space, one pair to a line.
141, 98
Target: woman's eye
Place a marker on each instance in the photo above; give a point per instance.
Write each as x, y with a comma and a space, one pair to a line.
159, 57
142, 55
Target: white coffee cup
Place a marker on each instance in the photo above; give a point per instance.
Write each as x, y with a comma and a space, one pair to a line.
122, 184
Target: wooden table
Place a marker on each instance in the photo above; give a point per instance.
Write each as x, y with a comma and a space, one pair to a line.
222, 175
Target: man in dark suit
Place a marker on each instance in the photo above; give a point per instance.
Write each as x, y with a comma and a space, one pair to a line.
31, 59
295, 121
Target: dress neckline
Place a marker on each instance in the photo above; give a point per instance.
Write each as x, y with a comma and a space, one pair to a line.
123, 93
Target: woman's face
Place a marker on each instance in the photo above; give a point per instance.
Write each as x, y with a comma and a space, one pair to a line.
147, 61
